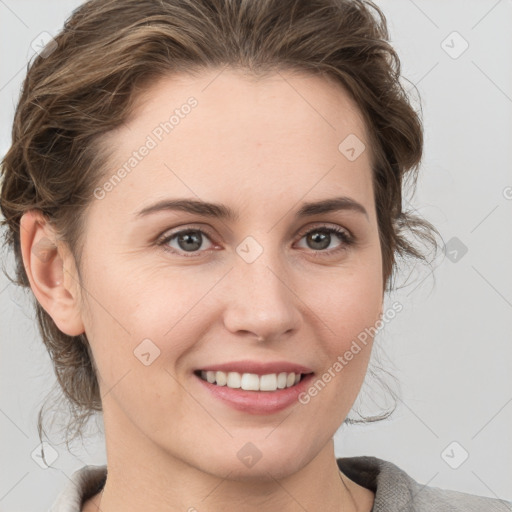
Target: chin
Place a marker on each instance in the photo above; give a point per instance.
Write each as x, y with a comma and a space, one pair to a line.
250, 463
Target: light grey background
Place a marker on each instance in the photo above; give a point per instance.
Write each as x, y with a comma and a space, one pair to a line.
450, 347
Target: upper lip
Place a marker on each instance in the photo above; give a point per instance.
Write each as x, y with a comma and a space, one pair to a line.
259, 368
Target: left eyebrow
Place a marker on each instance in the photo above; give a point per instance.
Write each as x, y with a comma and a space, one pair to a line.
221, 211
331, 205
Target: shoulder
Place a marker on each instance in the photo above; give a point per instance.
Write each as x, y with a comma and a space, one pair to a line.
395, 490
82, 484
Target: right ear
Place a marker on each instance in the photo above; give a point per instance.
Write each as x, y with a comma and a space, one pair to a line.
51, 271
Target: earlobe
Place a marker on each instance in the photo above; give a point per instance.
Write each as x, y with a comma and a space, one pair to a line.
47, 262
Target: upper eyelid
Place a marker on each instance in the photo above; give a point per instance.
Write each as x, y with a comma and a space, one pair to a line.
198, 227
177, 230
326, 225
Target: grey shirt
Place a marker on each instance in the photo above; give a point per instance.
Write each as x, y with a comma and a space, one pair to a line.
395, 490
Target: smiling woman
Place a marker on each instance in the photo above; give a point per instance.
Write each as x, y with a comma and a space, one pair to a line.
209, 299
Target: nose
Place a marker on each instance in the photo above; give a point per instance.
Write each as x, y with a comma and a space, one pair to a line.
260, 300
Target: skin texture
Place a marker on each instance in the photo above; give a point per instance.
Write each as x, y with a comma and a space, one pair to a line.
263, 148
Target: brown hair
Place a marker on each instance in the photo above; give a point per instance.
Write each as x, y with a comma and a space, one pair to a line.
85, 84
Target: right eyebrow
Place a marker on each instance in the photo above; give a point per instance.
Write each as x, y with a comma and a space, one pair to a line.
190, 206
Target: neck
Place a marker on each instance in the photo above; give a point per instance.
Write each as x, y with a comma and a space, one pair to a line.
208, 475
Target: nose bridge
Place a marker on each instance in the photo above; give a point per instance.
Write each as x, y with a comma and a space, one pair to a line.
262, 300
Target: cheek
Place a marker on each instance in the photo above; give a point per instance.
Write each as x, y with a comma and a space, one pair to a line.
348, 300
348, 309
136, 318
156, 316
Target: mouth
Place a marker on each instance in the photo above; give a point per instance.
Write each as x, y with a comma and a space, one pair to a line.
252, 381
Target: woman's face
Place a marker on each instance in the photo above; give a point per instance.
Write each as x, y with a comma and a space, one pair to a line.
157, 312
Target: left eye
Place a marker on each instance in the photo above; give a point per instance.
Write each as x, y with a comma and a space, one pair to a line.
318, 236
190, 240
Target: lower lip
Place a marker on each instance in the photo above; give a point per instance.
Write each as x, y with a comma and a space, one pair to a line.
258, 402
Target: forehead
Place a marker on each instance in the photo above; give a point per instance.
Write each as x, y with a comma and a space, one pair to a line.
293, 99
277, 134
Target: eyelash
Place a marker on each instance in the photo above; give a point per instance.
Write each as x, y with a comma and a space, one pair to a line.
346, 238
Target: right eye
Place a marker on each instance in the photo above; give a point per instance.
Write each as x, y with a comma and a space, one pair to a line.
187, 240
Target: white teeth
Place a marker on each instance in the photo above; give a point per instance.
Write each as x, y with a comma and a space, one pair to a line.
221, 378
233, 380
251, 381
281, 380
268, 382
